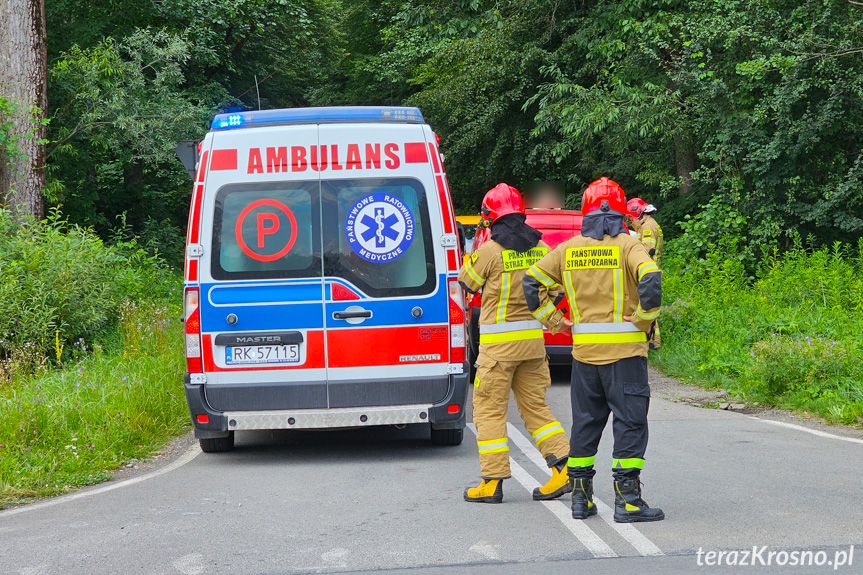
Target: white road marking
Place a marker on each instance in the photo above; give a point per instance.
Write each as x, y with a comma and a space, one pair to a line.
191, 454
641, 543
582, 532
817, 432
487, 550
335, 557
192, 564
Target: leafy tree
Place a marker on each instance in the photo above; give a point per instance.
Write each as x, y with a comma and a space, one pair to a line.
127, 84
124, 110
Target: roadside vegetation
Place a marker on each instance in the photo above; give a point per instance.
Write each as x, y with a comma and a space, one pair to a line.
90, 363
786, 335
740, 121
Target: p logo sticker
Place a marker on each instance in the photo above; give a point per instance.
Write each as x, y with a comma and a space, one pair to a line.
379, 227
266, 230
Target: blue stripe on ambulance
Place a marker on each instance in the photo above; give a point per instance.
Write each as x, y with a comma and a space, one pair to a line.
257, 309
396, 312
234, 294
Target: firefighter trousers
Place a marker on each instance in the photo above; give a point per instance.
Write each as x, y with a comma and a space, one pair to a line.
528, 379
619, 388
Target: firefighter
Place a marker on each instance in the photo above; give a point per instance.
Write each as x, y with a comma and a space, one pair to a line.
614, 291
650, 234
511, 350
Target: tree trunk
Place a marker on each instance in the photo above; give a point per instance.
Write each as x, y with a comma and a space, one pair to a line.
684, 159
23, 81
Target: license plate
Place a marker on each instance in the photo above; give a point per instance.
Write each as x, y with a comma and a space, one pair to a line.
262, 354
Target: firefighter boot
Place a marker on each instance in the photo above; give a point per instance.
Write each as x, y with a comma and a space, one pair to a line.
582, 498
489, 491
556, 486
629, 507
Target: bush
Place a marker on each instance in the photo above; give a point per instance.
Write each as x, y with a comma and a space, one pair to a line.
61, 283
791, 336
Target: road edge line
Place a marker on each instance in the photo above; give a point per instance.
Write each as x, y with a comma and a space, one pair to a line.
633, 536
190, 454
816, 432
585, 535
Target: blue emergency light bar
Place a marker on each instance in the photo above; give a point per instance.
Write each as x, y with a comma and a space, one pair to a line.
317, 115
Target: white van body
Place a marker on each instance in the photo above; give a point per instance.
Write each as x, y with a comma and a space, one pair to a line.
320, 277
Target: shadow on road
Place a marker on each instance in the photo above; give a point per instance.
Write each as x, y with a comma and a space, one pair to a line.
378, 443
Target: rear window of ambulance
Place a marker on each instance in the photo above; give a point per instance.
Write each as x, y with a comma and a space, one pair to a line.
376, 235
267, 231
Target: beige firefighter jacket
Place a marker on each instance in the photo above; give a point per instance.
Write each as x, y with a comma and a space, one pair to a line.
650, 234
508, 331
604, 280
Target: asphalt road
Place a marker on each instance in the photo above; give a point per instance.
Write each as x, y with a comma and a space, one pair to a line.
385, 499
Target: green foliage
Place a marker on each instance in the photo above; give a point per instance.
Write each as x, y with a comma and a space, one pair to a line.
72, 427
470, 66
9, 148
790, 337
127, 82
753, 105
125, 108
719, 226
762, 97
60, 282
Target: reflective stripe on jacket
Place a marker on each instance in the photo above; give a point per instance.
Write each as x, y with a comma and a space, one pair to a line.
605, 281
508, 330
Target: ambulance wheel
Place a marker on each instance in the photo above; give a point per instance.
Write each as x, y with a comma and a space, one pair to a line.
217, 444
447, 436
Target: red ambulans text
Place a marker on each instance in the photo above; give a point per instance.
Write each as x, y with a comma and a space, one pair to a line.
320, 158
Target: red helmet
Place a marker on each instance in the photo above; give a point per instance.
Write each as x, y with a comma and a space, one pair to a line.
635, 207
499, 201
603, 195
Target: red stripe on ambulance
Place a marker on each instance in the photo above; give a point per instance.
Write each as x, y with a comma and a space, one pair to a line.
434, 157
224, 160
202, 167
195, 219
194, 225
445, 207
192, 274
314, 356
388, 346
415, 153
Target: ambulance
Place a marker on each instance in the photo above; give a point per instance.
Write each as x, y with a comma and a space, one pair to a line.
320, 278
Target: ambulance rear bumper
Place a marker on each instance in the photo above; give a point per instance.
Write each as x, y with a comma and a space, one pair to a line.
441, 415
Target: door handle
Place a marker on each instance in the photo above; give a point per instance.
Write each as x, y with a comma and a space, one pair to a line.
351, 314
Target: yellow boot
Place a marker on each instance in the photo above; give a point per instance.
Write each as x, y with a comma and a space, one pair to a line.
556, 486
489, 491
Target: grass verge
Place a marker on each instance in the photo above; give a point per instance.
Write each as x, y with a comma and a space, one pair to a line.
67, 427
791, 336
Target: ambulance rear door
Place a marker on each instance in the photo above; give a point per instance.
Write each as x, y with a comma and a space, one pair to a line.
261, 272
387, 306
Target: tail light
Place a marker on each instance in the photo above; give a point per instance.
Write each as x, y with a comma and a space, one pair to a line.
192, 322
456, 322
